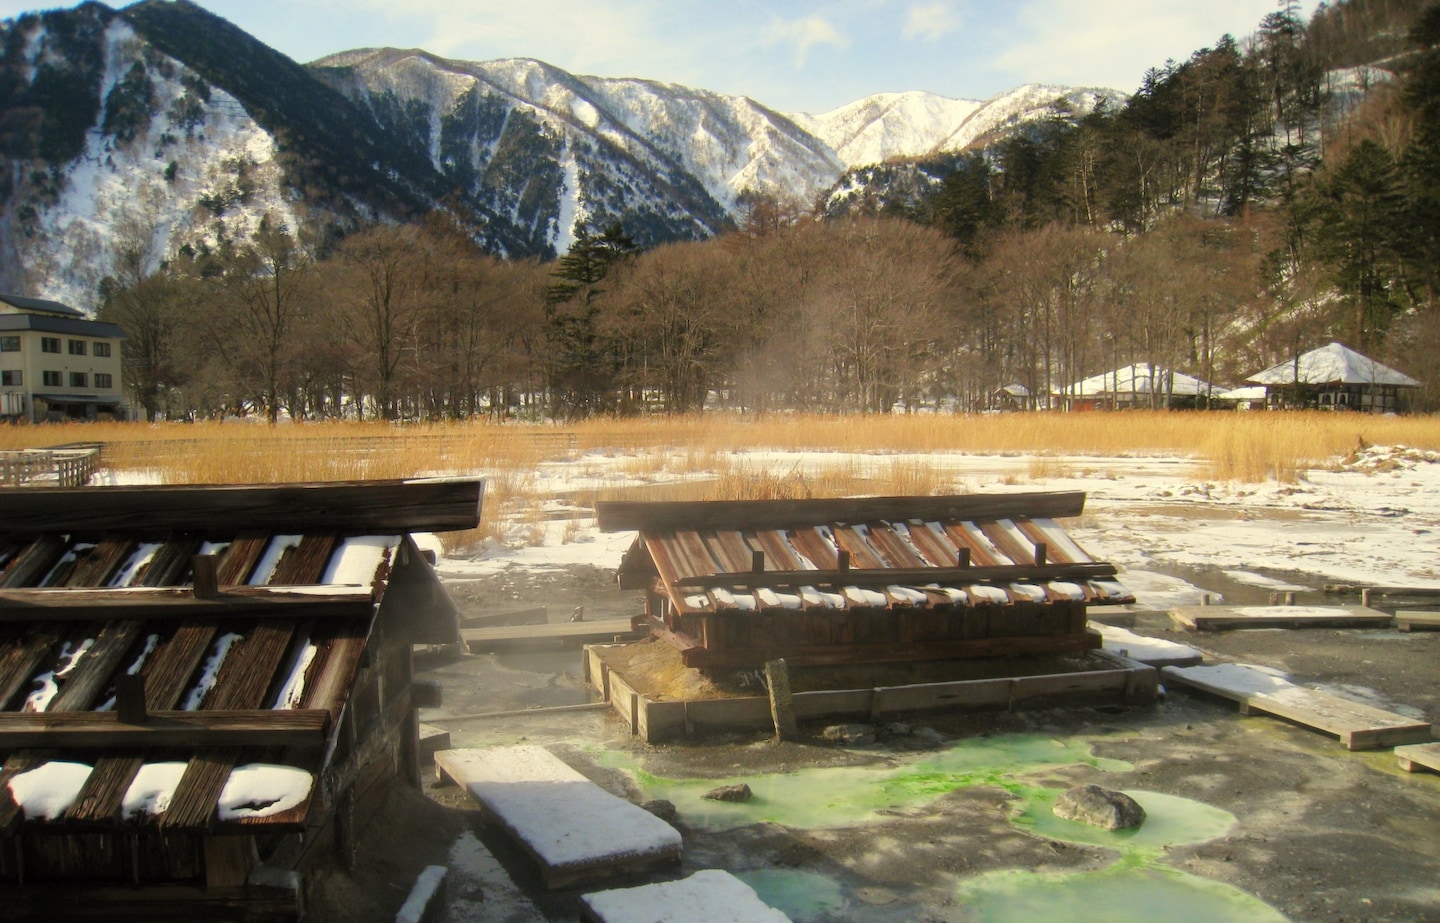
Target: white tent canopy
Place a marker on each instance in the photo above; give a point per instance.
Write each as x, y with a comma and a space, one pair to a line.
1333, 365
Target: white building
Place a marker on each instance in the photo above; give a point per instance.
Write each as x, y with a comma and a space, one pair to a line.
57, 364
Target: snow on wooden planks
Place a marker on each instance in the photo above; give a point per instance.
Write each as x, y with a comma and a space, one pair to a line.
710, 896
1154, 652
1415, 757
575, 830
1359, 726
1224, 618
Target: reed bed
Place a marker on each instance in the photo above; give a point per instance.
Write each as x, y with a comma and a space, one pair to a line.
1248, 447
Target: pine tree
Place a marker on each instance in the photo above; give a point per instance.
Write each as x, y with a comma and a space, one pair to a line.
583, 366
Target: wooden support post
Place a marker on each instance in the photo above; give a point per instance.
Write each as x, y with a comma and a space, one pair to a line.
757, 562
1040, 551
1289, 597
963, 558
842, 560
782, 705
130, 699
1365, 597
206, 580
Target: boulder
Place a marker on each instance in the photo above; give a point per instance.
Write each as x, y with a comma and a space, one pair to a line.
665, 810
736, 793
1100, 807
855, 735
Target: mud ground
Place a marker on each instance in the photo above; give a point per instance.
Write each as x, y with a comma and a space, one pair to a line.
1323, 835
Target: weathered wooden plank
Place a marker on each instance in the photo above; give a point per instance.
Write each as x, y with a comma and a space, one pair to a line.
22, 660
573, 829
196, 797
1357, 725
249, 670
167, 673
250, 727
422, 505
95, 567
1417, 620
773, 514
881, 576
862, 556
709, 895
100, 798
983, 553
32, 564
812, 545
97, 668
141, 603
305, 563
844, 652
484, 639
1415, 757
1225, 618
336, 662
239, 558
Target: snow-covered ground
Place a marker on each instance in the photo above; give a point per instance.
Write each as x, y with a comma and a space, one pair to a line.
1374, 520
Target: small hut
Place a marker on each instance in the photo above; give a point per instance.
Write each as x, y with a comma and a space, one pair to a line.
1136, 386
734, 584
1334, 377
202, 689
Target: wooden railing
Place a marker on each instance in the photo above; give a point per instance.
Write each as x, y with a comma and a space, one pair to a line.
60, 466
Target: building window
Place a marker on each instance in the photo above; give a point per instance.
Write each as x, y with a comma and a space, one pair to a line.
9, 344
49, 344
78, 379
102, 350
103, 380
12, 377
77, 347
51, 379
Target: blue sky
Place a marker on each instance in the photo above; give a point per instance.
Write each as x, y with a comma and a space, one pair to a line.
790, 55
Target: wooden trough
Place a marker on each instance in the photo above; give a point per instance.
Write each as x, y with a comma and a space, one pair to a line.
1110, 679
734, 584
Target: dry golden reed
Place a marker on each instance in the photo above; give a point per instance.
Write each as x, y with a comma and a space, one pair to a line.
1252, 446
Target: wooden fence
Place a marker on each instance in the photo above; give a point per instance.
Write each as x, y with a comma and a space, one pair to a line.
60, 466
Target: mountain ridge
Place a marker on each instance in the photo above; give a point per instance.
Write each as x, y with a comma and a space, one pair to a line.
196, 130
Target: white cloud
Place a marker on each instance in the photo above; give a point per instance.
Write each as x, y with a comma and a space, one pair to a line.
929, 22
1080, 42
804, 34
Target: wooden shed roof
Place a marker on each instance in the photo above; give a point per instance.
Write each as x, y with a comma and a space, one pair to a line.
120, 651
882, 552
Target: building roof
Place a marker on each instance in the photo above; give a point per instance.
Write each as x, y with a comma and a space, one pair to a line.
177, 700
898, 553
39, 304
70, 326
1140, 378
1334, 364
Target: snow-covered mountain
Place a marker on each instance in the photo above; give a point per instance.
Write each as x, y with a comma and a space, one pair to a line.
162, 126
909, 125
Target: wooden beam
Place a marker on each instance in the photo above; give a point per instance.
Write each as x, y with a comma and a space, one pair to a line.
906, 576
244, 728
141, 603
419, 505
614, 516
818, 655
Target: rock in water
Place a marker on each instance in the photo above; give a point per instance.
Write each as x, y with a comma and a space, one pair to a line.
739, 792
1100, 807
